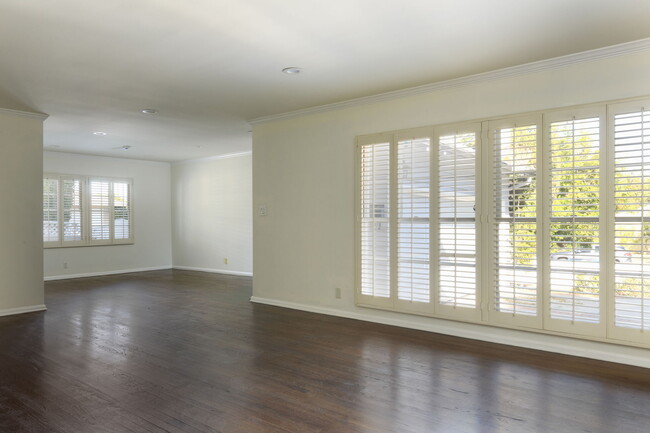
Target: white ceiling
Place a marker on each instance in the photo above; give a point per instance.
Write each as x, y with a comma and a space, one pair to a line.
208, 66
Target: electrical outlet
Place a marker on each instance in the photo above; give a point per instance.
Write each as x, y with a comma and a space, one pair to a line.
337, 293
264, 211
225, 261
65, 265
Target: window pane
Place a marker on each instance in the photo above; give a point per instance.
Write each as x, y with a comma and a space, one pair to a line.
121, 211
375, 229
575, 210
632, 220
100, 213
72, 210
413, 176
515, 152
50, 210
457, 231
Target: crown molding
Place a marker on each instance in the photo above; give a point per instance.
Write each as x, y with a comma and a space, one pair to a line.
17, 113
212, 158
513, 71
53, 152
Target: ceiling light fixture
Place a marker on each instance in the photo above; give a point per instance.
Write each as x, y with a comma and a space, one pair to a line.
292, 70
100, 133
149, 111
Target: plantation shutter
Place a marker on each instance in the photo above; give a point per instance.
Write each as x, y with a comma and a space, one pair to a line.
122, 228
413, 207
72, 210
456, 242
630, 127
540, 221
78, 211
374, 209
100, 211
515, 292
574, 237
51, 226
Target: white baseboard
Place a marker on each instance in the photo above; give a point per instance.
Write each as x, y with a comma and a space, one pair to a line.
21, 310
99, 274
549, 343
214, 271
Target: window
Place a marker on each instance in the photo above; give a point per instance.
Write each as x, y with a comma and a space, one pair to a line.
455, 204
375, 275
516, 226
535, 222
413, 208
629, 227
50, 210
81, 210
575, 175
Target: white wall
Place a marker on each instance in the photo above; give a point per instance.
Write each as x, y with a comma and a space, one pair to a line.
212, 215
152, 212
304, 171
21, 204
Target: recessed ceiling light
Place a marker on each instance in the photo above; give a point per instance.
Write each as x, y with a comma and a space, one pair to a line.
100, 133
292, 70
149, 111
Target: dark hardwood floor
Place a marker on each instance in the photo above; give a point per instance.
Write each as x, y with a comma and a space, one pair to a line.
180, 351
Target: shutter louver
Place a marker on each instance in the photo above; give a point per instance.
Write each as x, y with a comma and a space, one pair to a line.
121, 211
374, 220
515, 158
413, 179
456, 220
100, 210
50, 210
574, 293
632, 220
72, 210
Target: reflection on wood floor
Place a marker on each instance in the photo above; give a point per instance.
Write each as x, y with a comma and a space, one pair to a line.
182, 351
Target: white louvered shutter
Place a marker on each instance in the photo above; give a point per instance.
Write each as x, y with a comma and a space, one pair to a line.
574, 231
72, 210
100, 211
122, 229
413, 207
374, 223
515, 292
456, 242
631, 209
51, 226
78, 210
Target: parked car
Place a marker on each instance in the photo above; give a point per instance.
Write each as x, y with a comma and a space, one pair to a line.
591, 255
